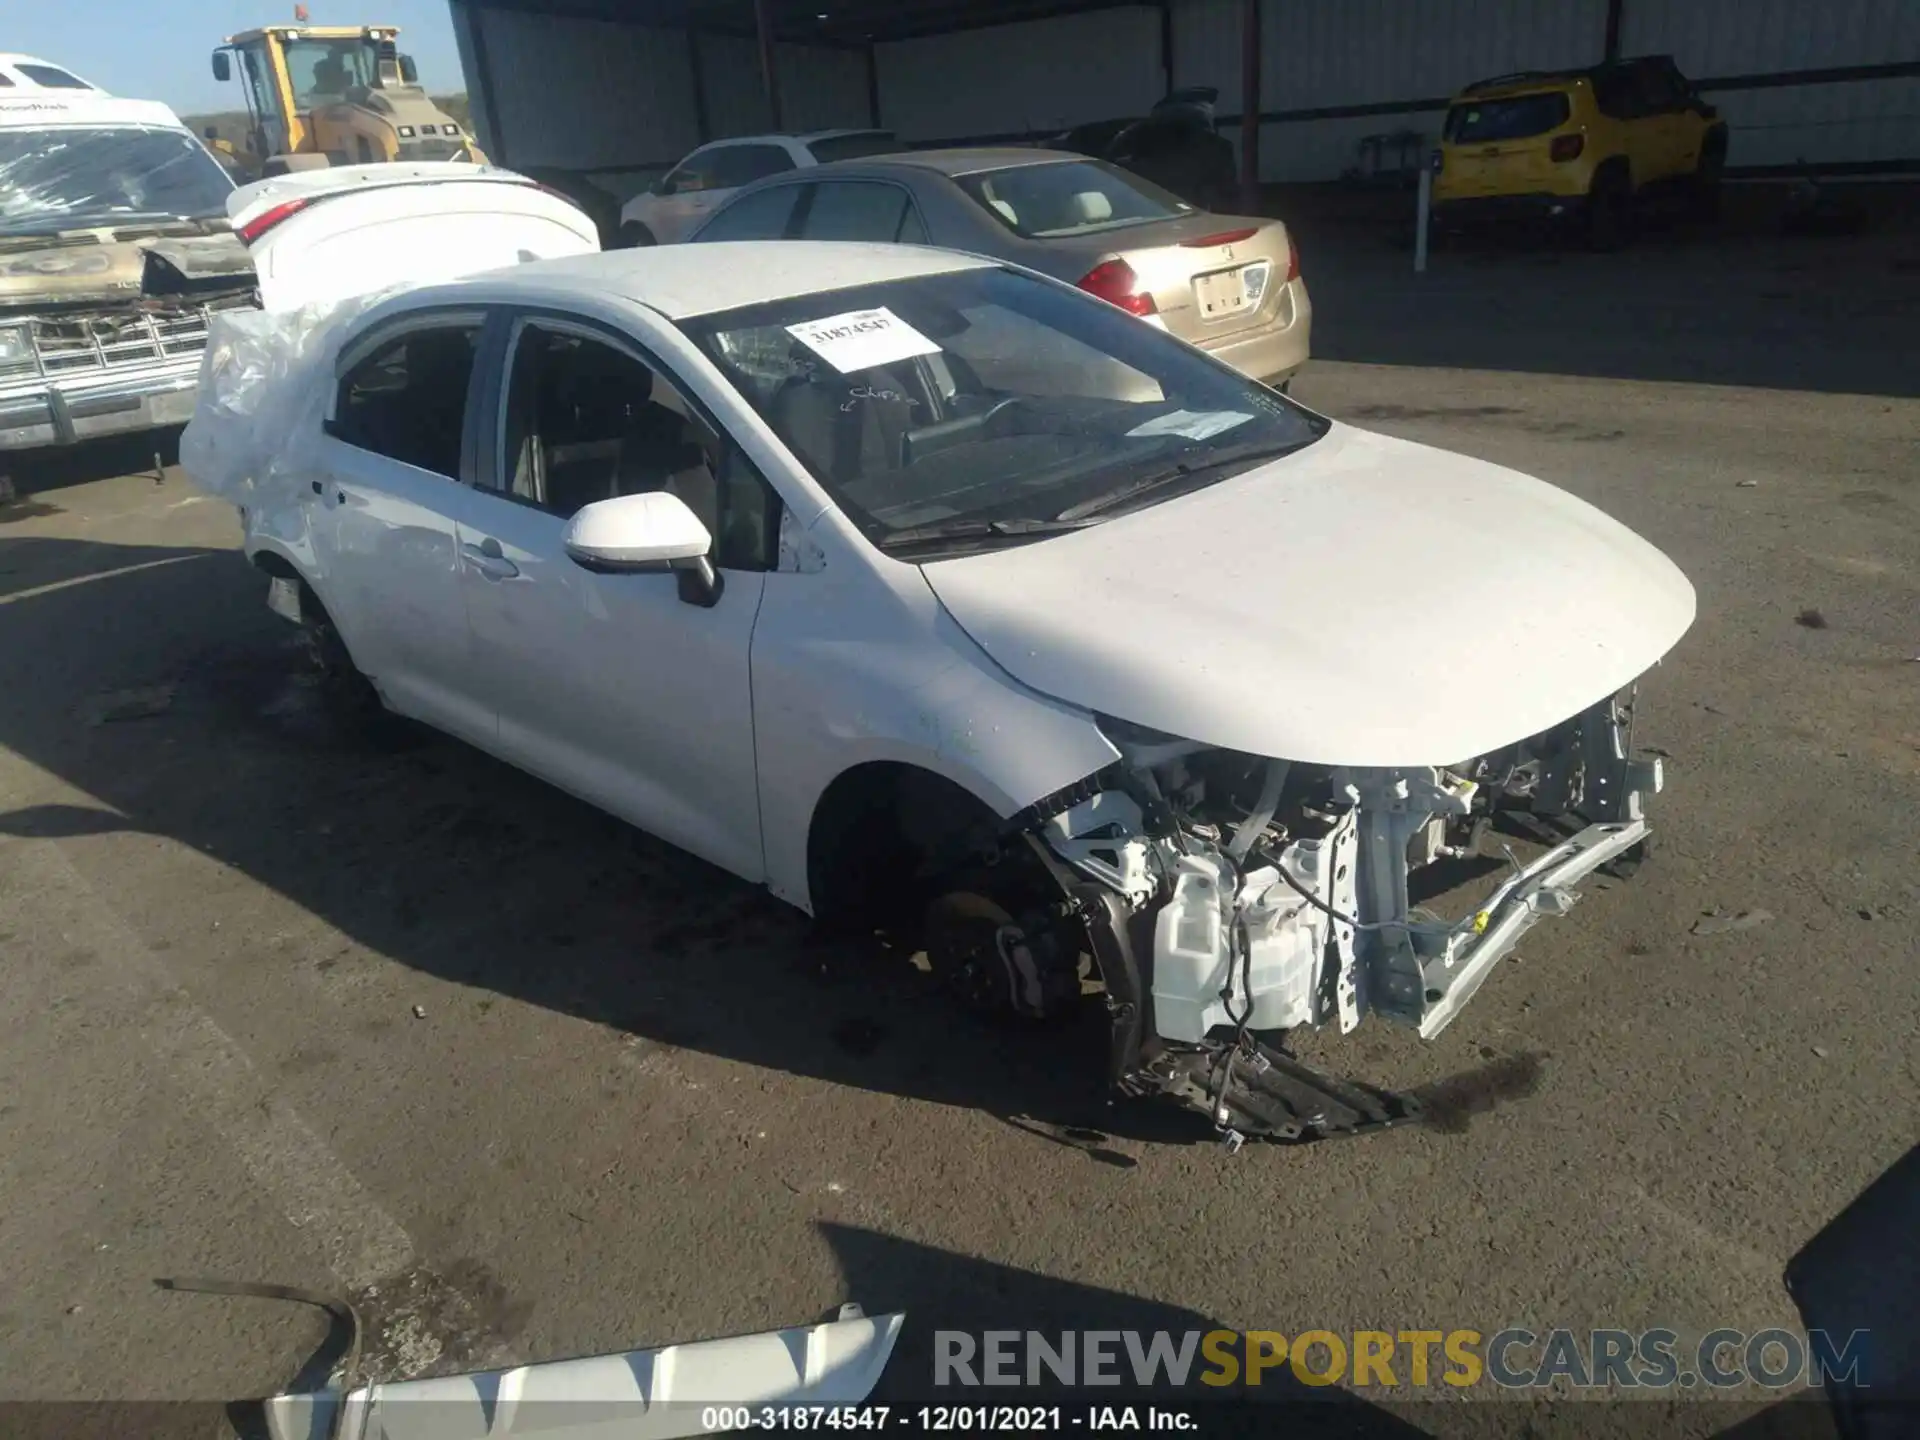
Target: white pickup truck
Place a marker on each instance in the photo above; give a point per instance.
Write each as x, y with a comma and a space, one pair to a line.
115, 249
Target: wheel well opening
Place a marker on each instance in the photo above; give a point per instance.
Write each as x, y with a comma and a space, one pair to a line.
882, 834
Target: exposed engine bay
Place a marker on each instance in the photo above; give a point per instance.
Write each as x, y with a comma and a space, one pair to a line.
1227, 899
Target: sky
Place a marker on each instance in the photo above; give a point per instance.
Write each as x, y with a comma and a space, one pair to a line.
160, 49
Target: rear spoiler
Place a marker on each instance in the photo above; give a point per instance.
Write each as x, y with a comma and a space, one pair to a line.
250, 221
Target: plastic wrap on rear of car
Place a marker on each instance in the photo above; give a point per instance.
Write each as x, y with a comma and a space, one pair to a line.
264, 386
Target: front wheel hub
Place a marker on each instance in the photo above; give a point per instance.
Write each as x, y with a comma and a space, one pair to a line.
987, 960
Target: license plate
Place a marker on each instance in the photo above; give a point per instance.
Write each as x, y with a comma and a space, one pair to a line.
1223, 293
283, 598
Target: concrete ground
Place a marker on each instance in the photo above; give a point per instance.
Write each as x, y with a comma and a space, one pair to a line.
410, 1026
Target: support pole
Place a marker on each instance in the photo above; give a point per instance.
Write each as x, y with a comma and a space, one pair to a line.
1424, 218
1611, 44
698, 69
1250, 105
763, 27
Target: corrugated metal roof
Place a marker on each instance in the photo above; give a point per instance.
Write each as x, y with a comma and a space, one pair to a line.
848, 22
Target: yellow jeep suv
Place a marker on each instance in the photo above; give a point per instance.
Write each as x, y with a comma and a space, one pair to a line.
1585, 147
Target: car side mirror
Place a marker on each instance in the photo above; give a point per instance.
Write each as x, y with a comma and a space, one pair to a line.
409, 71
646, 534
222, 66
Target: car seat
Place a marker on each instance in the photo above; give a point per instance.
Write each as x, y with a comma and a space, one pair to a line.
421, 423
849, 437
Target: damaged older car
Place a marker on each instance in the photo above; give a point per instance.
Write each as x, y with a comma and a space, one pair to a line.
943, 599
114, 253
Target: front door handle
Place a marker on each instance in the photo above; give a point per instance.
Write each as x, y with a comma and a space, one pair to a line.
487, 559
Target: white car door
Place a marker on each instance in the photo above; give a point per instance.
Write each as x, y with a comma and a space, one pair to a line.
384, 501
624, 689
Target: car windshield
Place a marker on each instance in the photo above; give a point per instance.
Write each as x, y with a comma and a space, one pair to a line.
830, 148
61, 179
1519, 117
1075, 197
982, 406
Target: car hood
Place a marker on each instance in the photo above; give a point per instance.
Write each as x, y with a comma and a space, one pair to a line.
1364, 601
96, 267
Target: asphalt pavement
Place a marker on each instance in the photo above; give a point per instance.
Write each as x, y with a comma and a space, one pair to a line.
404, 1024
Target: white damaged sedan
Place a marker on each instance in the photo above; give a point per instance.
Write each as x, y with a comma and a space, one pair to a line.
944, 599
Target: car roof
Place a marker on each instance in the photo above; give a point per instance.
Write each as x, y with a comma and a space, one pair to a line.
683, 281
1520, 80
971, 160
804, 138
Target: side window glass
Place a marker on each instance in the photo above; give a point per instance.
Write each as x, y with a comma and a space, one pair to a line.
266, 99
693, 173
586, 421
53, 78
852, 211
408, 399
1670, 88
913, 230
1649, 94
743, 164
760, 216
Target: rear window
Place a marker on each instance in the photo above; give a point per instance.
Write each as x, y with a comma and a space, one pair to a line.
1517, 117
1072, 198
853, 147
53, 79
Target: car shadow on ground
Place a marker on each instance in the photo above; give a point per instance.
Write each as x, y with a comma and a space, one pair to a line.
942, 1291
36, 472
953, 1303
155, 681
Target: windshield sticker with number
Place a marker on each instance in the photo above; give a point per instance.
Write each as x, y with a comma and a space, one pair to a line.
862, 339
1190, 424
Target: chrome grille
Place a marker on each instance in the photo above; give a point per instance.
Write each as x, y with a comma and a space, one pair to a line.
98, 344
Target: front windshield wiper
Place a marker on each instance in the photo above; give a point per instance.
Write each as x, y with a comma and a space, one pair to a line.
1082, 510
1016, 527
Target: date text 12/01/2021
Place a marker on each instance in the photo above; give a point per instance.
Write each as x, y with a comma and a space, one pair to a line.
943, 1419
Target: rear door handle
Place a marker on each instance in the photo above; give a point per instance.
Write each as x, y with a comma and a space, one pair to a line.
487, 559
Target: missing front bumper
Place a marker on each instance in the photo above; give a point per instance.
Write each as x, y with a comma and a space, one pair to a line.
1448, 980
1214, 937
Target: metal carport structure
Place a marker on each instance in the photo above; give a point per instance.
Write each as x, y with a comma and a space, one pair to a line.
619, 89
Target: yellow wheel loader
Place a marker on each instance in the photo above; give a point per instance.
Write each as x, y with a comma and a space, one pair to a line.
320, 95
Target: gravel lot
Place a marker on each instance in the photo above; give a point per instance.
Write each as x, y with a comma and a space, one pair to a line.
408, 1025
